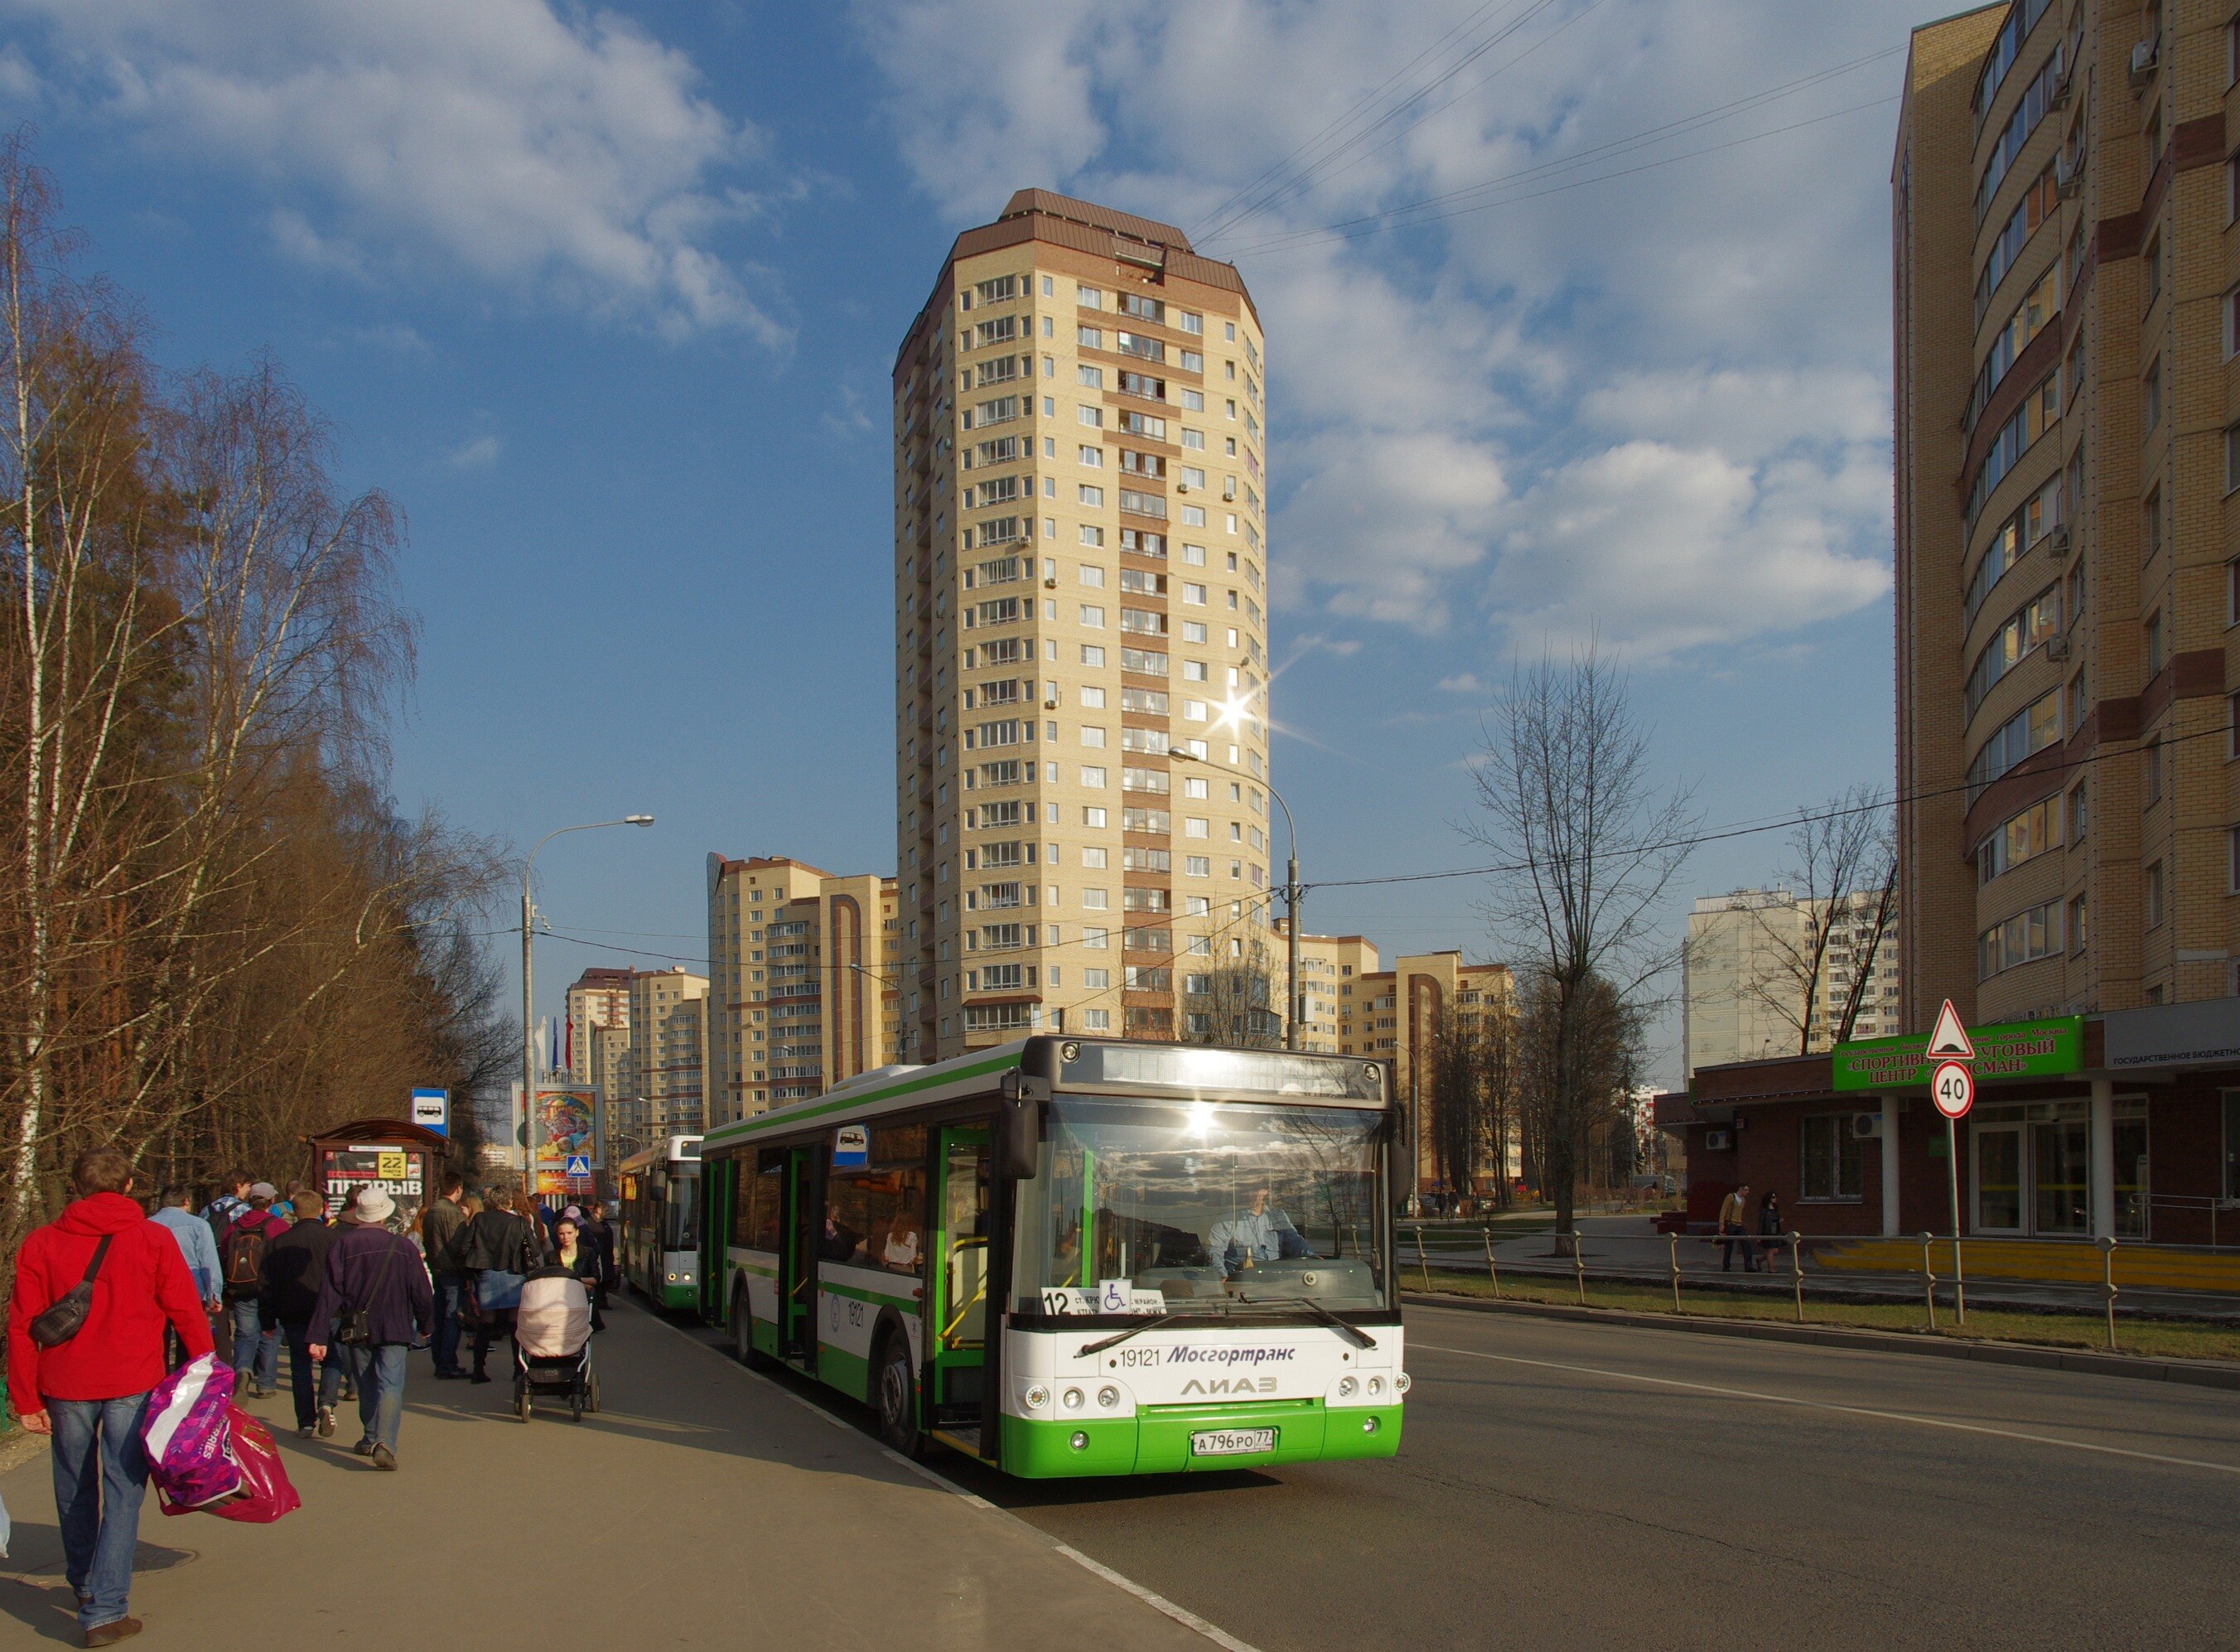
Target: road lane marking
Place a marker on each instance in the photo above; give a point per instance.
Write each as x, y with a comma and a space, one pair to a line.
1151, 1598
1830, 1405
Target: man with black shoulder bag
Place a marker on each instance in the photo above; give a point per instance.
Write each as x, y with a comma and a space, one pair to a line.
94, 1291
379, 1300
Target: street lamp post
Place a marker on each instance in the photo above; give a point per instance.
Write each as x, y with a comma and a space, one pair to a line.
1292, 892
528, 997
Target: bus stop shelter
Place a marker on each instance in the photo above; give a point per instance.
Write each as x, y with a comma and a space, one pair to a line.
401, 1158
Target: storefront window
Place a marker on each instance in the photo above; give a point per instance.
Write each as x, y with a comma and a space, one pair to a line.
2061, 1158
1831, 1158
2131, 1187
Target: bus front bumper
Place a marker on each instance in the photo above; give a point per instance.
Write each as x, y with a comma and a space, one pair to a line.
1156, 1440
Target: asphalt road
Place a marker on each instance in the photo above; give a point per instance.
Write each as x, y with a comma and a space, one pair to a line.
1564, 1485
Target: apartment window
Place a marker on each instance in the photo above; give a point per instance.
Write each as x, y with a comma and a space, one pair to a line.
1092, 654
2154, 661
2154, 263
1093, 699
1091, 497
2020, 939
1093, 415
2156, 894
1093, 778
1094, 818
2232, 725
2078, 813
1092, 617
1092, 735
2151, 526
1091, 535
2080, 922
1831, 1158
2151, 396
1194, 402
2153, 755
2232, 861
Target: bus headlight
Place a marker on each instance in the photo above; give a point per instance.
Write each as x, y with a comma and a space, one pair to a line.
1037, 1397
1080, 1441
1402, 1382
1346, 1385
1375, 1386
1073, 1399
1107, 1397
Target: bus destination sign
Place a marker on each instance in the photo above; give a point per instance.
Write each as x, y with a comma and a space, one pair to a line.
2004, 1050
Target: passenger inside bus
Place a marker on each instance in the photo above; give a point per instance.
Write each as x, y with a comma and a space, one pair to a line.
1255, 1235
898, 1248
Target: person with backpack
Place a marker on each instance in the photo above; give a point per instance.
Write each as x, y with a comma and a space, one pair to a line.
294, 1271
95, 1289
224, 1208
377, 1296
241, 1247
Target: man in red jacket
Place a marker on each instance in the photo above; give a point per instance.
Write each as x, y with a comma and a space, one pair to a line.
89, 1395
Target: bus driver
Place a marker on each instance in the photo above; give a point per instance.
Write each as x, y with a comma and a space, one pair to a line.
1258, 1235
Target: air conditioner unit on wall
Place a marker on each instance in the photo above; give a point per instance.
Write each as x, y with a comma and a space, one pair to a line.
1718, 1141
2057, 648
1868, 1127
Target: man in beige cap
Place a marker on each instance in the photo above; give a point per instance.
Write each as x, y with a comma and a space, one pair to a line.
379, 1297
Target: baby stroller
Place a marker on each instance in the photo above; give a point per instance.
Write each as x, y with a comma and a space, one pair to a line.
552, 1344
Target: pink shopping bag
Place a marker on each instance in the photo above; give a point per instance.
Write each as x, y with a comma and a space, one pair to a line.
205, 1453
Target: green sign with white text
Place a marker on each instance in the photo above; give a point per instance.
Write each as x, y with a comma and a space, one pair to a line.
2004, 1050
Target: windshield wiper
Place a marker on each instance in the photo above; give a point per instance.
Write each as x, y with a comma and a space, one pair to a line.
1135, 1330
1360, 1337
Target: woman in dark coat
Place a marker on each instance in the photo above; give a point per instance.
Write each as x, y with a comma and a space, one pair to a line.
1770, 1227
581, 1257
498, 1249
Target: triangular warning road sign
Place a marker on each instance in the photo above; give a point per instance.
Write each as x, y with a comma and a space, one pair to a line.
1950, 1038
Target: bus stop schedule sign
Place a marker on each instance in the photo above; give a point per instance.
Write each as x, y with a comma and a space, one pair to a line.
852, 1145
2005, 1050
431, 1110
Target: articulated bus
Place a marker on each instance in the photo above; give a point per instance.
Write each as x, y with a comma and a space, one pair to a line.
660, 1237
1078, 1256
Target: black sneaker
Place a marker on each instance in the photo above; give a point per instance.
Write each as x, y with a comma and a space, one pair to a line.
478, 1377
365, 1447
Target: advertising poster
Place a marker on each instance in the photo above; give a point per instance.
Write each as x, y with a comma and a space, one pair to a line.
568, 1125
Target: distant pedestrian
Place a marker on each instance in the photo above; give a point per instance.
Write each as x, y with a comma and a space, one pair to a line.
241, 1247
198, 1244
1734, 1230
1773, 1231
441, 1224
295, 1270
380, 1303
224, 1208
86, 1386
496, 1250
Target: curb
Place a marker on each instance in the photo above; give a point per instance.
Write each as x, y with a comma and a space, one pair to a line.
2193, 1373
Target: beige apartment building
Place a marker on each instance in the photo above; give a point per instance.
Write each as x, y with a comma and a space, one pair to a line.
598, 998
664, 1069
1080, 593
1750, 955
803, 967
607, 1065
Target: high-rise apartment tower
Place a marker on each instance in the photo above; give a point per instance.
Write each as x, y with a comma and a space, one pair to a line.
2067, 445
1080, 596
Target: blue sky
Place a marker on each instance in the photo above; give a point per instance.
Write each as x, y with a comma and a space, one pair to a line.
607, 299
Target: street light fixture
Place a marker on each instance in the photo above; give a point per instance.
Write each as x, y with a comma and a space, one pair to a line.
1292, 890
528, 997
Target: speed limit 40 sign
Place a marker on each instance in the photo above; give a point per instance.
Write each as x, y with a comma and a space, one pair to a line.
1953, 1088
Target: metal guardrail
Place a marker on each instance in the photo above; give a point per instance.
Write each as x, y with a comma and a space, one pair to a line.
1935, 1248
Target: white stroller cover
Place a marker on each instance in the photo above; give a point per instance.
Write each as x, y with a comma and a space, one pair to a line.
555, 1321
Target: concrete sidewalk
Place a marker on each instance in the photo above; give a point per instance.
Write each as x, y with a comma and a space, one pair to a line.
703, 1506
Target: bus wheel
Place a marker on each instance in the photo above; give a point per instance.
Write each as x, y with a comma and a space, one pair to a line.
897, 1399
742, 1334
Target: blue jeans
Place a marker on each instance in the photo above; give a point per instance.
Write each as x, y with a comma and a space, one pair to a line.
253, 1345
300, 1376
101, 1473
379, 1371
448, 1289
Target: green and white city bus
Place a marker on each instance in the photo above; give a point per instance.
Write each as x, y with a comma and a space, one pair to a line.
1075, 1256
660, 1227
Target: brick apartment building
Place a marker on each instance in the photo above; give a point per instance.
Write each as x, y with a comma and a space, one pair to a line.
2067, 322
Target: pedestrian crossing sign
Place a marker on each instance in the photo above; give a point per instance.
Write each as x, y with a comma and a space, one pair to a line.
579, 1164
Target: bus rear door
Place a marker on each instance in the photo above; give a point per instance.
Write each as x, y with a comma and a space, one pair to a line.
796, 1285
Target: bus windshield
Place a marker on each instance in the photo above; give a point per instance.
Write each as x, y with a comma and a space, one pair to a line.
1146, 1207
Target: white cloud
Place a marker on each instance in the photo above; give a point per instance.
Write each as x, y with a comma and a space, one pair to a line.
1652, 404
478, 454
565, 152
1462, 683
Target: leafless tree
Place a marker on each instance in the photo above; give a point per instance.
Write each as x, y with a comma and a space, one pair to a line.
1565, 799
1229, 1000
1842, 870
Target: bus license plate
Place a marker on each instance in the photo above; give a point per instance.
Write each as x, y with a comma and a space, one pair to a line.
1231, 1443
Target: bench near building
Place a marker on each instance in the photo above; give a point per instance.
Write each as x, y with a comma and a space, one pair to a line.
2125, 1124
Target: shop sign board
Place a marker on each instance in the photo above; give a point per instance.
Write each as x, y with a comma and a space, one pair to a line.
2202, 1033
2004, 1050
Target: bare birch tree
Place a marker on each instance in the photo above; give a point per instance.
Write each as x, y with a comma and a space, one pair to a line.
1566, 799
1842, 870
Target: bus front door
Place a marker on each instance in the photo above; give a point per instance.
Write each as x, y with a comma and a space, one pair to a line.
796, 1323
959, 1344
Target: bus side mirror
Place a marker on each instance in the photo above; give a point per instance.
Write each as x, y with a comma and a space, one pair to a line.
1020, 1123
